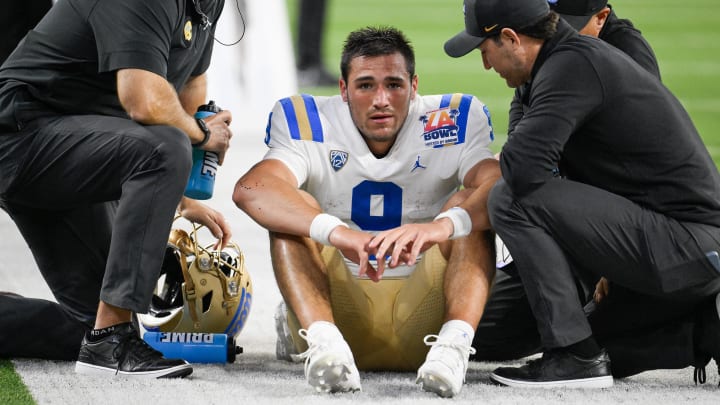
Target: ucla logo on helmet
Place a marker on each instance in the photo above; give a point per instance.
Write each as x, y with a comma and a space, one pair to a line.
338, 159
440, 127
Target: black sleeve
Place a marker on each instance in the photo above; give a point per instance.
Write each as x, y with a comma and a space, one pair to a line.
565, 93
622, 34
635, 46
134, 34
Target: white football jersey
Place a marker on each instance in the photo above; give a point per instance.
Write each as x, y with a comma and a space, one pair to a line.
443, 137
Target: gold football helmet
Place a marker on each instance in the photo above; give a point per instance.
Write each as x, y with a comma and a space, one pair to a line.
200, 289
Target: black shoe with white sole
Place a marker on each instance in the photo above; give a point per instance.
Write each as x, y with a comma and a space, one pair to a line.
558, 369
707, 338
124, 353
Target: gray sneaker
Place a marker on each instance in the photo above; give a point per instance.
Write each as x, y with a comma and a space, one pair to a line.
284, 346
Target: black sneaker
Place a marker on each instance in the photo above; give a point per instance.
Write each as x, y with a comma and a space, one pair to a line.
124, 353
558, 369
708, 339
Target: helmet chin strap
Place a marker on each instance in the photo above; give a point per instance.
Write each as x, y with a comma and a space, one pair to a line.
205, 21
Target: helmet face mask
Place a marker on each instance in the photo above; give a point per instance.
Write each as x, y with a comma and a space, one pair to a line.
200, 289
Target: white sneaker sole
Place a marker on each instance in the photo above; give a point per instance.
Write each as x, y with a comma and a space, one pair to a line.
594, 382
332, 375
173, 372
436, 384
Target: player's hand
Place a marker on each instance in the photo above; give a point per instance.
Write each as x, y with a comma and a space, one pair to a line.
403, 244
220, 133
197, 212
353, 245
602, 289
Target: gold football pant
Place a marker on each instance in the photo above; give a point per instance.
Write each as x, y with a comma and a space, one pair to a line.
384, 323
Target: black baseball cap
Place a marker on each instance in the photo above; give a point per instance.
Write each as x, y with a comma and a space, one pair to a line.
485, 18
577, 12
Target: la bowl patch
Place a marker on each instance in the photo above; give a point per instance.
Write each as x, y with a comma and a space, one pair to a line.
440, 126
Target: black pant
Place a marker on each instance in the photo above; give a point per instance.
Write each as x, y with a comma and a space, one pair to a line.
94, 197
507, 330
566, 231
640, 332
311, 25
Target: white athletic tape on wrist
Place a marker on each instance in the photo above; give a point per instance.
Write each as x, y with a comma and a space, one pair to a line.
322, 226
462, 224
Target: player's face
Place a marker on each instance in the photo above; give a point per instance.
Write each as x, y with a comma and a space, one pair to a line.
378, 92
506, 60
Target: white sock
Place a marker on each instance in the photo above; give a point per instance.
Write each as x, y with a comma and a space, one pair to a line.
324, 330
458, 330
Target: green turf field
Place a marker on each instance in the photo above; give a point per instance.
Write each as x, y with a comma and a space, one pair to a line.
685, 37
12, 391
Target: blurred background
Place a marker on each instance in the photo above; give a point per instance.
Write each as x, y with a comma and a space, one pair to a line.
685, 36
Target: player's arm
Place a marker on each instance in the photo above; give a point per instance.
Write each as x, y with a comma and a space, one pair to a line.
269, 194
403, 244
197, 212
472, 200
477, 184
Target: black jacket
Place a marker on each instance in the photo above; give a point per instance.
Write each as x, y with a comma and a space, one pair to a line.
615, 126
620, 33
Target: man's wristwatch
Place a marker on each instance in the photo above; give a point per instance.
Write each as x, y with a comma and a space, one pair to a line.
206, 133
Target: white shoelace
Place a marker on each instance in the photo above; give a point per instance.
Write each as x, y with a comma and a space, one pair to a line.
438, 341
312, 348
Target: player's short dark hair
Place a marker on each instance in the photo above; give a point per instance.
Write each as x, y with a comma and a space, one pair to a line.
376, 41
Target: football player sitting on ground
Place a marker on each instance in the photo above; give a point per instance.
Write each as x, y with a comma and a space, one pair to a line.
376, 172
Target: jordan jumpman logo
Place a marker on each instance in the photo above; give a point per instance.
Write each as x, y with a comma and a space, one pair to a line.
417, 165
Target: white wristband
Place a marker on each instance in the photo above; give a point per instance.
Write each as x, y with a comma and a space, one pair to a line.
462, 224
322, 226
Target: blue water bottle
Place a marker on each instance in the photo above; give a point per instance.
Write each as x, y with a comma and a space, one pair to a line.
205, 163
194, 347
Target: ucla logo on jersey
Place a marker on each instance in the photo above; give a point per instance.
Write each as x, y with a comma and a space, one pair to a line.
338, 159
440, 126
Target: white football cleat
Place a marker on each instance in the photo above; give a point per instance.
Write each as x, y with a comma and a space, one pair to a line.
329, 365
445, 366
284, 346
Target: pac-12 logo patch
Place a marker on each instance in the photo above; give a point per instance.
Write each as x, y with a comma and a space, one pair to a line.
338, 159
440, 126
